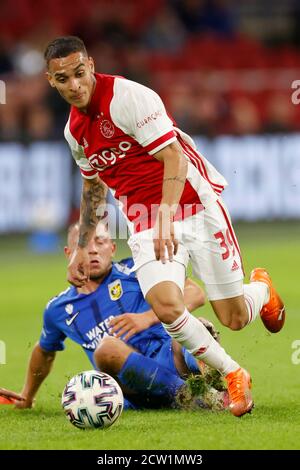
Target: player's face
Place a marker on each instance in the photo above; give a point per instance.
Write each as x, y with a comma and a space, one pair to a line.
73, 77
101, 250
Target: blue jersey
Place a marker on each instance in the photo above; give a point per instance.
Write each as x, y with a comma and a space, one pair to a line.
84, 318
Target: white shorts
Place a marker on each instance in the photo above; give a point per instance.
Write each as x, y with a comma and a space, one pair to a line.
208, 240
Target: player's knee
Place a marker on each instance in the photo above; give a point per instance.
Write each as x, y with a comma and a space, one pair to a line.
168, 310
107, 353
233, 316
201, 299
236, 322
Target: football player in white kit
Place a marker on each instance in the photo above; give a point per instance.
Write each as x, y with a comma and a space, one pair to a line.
122, 138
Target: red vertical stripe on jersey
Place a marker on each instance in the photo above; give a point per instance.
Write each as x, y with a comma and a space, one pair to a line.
195, 157
196, 164
231, 231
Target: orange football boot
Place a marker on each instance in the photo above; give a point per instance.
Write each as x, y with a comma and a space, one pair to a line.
273, 313
202, 366
239, 384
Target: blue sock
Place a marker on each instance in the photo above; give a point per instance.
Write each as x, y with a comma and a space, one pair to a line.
148, 378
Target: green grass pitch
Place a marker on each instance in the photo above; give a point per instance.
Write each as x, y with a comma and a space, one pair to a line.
28, 281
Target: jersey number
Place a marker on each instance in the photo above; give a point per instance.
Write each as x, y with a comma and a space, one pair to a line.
226, 243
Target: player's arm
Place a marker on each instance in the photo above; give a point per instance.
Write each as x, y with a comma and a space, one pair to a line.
158, 138
92, 208
129, 324
39, 367
10, 395
175, 171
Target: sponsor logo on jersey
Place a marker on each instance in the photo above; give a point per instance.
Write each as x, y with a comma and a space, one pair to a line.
235, 266
115, 290
96, 334
107, 157
70, 320
107, 128
150, 118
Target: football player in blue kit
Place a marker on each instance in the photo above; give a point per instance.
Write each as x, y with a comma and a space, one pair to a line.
110, 319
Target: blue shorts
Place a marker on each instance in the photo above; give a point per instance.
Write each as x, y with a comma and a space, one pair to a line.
164, 356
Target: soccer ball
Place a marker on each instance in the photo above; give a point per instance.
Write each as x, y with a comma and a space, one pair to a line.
92, 399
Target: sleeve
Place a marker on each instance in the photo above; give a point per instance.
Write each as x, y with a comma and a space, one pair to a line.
78, 154
128, 262
52, 338
140, 113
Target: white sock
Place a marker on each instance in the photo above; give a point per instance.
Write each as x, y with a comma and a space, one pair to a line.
256, 296
193, 335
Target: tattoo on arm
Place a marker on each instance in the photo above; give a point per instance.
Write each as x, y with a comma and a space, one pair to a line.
93, 196
175, 178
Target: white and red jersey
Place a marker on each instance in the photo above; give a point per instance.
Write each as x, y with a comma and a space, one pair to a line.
125, 125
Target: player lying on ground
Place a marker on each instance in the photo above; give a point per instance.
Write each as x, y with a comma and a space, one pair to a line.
122, 138
8, 397
148, 364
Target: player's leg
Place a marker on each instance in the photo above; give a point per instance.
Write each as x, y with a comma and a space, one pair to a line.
162, 286
203, 387
206, 237
111, 354
217, 261
167, 301
141, 378
239, 311
232, 312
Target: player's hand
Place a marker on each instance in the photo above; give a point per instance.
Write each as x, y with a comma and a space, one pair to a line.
11, 395
129, 324
211, 328
164, 236
79, 267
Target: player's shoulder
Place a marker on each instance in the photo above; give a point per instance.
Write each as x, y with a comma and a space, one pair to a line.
105, 78
131, 99
122, 268
122, 280
59, 299
125, 88
73, 129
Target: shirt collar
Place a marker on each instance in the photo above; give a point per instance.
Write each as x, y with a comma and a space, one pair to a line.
94, 105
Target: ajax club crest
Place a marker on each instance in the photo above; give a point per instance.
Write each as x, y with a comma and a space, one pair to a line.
107, 128
115, 290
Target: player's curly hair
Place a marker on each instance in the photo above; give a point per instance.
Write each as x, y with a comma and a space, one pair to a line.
64, 46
